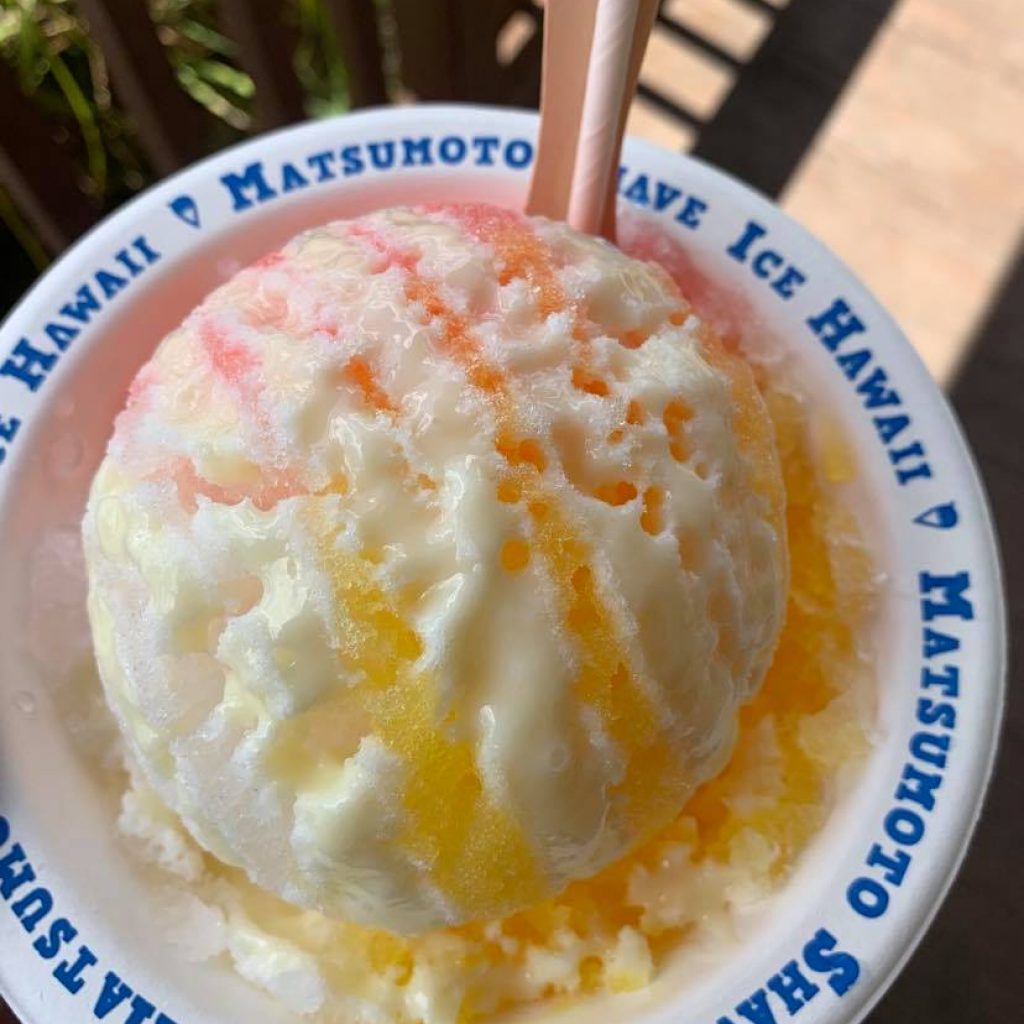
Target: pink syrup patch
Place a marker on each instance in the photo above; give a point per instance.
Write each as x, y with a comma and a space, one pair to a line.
728, 312
264, 494
390, 255
271, 259
229, 358
241, 370
482, 220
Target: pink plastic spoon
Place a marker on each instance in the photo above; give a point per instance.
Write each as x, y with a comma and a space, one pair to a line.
593, 50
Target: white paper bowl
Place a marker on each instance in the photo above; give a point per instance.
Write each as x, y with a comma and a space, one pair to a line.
89, 910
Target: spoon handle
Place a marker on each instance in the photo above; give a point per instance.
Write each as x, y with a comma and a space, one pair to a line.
593, 50
599, 119
641, 34
568, 32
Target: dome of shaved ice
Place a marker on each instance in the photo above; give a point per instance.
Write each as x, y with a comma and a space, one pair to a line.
431, 561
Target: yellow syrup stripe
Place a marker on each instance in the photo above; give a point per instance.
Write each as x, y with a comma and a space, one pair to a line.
473, 849
831, 595
654, 780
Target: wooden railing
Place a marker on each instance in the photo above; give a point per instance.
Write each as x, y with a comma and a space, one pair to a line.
777, 99
448, 50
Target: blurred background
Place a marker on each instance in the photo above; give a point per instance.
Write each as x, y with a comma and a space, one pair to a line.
893, 129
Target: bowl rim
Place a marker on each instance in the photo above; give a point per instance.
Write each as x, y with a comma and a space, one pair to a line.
946, 852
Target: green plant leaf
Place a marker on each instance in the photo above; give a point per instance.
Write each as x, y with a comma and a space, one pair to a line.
218, 73
96, 154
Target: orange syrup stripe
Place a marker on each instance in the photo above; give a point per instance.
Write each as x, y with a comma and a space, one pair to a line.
649, 791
